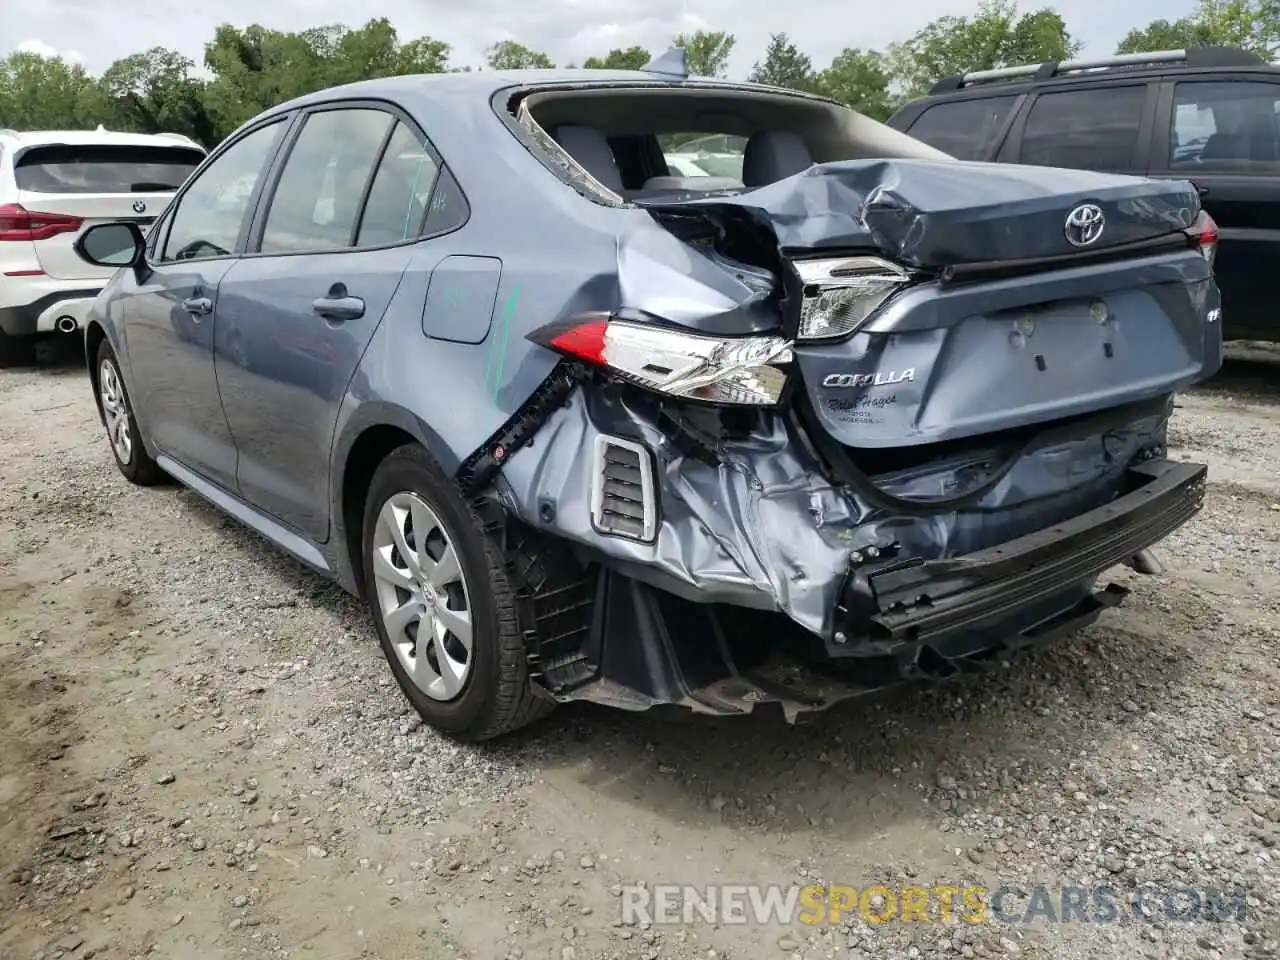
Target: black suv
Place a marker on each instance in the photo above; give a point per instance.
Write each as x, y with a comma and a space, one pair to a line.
1210, 115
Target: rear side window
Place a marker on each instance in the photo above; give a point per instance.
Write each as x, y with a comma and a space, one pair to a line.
966, 129
317, 199
1226, 127
400, 192
1085, 129
104, 168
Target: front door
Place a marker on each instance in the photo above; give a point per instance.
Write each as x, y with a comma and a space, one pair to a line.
169, 325
295, 315
1224, 136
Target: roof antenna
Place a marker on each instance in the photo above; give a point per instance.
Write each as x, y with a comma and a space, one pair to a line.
673, 63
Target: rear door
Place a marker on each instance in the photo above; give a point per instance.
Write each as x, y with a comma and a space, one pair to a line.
1104, 127
1222, 133
87, 183
969, 129
295, 315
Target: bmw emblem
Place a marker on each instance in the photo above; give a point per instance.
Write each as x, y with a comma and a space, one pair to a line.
139, 206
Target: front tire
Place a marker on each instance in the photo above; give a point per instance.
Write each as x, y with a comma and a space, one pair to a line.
122, 428
443, 603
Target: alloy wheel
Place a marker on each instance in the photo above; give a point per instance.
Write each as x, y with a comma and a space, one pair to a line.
115, 409
422, 596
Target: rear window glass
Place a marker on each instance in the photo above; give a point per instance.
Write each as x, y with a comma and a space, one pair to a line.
966, 129
97, 168
1085, 129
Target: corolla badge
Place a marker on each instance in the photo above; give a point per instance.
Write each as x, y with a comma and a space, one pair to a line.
1084, 224
139, 206
878, 379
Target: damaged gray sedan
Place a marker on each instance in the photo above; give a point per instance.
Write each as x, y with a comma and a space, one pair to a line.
577, 425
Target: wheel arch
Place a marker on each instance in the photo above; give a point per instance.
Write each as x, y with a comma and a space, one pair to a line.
367, 438
94, 335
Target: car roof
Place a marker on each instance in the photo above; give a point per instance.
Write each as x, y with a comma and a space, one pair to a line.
1119, 68
40, 138
476, 86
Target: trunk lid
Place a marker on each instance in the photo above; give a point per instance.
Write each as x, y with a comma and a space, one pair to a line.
70, 187
938, 213
952, 353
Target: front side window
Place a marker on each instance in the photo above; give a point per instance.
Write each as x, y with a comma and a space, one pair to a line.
966, 129
211, 213
317, 199
1224, 126
1094, 129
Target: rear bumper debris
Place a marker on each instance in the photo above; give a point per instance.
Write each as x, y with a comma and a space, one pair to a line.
919, 602
756, 580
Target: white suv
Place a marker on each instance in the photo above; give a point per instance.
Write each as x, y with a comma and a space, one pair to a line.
54, 184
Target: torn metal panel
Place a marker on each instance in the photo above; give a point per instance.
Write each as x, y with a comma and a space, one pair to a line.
932, 213
750, 519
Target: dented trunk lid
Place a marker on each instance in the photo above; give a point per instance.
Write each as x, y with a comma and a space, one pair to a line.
944, 359
938, 213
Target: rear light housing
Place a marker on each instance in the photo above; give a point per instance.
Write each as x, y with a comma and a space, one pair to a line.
730, 371
17, 223
1203, 234
839, 294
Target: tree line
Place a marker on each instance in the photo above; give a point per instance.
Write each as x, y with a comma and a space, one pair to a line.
248, 70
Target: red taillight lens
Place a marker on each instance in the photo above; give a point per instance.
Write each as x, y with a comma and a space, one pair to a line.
19, 223
739, 371
1204, 235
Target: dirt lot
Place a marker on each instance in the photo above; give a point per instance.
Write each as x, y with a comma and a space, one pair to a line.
202, 754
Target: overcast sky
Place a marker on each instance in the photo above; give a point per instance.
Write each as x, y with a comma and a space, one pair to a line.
569, 30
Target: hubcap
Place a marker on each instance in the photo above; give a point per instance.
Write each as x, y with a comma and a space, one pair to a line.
115, 409
422, 596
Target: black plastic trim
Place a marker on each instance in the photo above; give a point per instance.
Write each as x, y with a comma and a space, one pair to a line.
918, 602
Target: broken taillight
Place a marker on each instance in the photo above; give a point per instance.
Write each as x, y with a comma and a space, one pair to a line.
19, 223
839, 294
1203, 233
740, 371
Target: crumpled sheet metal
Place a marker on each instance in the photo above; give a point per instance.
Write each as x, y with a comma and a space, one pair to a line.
938, 212
764, 529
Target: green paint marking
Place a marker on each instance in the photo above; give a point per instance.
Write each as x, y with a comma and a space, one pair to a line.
498, 354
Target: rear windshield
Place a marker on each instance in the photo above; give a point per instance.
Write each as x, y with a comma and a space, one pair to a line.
97, 168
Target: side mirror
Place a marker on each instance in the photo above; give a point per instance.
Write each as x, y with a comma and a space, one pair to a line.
117, 244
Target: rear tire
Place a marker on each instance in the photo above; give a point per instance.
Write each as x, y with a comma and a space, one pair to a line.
122, 428
429, 565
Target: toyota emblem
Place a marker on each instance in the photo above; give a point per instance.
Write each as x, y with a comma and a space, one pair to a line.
139, 206
1084, 224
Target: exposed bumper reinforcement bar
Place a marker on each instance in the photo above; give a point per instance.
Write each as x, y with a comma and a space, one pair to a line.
929, 602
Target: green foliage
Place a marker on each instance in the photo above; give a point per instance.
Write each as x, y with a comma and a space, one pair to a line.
784, 66
998, 35
1252, 25
632, 58
859, 79
706, 52
509, 55
252, 68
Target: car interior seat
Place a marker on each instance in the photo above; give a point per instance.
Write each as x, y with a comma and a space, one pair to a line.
591, 149
773, 155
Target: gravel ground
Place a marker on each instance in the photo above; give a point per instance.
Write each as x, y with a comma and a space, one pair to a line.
202, 753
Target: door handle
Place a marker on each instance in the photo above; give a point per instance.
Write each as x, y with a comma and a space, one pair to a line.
338, 308
198, 306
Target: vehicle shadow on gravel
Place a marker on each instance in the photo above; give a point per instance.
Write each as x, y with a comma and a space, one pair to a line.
856, 767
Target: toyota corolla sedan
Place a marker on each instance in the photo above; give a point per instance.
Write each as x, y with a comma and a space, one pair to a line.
577, 426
